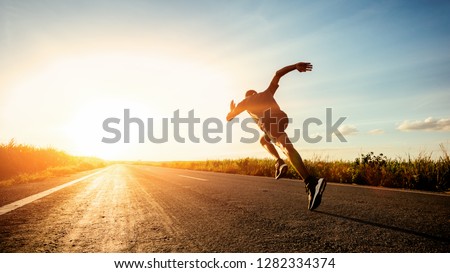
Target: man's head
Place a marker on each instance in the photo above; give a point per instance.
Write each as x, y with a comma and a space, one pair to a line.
250, 93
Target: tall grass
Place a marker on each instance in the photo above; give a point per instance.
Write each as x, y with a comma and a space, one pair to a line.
23, 163
422, 173
248, 166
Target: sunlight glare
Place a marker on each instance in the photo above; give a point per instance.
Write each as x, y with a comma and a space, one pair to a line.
71, 97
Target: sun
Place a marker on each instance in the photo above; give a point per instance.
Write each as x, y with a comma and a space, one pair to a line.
67, 99
83, 131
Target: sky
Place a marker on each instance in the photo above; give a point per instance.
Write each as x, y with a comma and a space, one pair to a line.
69, 67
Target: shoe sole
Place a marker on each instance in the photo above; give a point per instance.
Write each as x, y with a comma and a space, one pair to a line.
283, 170
317, 199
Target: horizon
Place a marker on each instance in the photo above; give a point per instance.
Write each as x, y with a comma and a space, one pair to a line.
65, 68
441, 155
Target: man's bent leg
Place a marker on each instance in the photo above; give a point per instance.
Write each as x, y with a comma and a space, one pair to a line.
269, 147
294, 157
280, 167
314, 187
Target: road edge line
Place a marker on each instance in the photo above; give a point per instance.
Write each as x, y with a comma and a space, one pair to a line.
22, 202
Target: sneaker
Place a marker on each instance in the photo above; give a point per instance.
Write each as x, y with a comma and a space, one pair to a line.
315, 189
281, 169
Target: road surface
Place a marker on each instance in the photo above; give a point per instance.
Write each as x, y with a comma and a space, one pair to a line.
134, 208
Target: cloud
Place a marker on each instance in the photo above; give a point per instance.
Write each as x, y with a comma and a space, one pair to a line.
376, 132
348, 130
429, 124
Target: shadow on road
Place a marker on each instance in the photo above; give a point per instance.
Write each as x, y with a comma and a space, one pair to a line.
365, 222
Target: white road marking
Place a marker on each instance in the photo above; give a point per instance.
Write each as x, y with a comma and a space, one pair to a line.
191, 177
32, 198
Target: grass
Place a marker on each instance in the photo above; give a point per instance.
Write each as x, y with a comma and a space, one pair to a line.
421, 173
24, 163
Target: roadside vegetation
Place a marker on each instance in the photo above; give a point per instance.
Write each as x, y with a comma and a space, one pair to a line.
24, 163
21, 163
420, 173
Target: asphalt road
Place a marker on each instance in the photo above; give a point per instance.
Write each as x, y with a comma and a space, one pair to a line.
131, 208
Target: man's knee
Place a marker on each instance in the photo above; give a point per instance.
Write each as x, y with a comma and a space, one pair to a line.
264, 140
284, 143
283, 140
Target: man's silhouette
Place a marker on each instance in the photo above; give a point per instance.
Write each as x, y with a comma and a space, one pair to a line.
266, 112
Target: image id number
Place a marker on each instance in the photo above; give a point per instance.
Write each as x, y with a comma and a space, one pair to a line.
295, 263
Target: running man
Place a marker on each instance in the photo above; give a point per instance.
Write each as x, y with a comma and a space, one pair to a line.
266, 112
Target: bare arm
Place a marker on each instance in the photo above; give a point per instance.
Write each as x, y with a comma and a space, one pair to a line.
301, 67
235, 110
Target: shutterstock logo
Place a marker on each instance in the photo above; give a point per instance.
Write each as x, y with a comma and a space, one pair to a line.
213, 130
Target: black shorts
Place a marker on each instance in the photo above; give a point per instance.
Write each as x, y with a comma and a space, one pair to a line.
273, 123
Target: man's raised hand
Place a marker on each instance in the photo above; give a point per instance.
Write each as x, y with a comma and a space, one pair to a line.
230, 115
232, 105
303, 67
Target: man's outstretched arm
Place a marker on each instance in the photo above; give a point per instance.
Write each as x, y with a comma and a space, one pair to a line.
300, 67
235, 110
